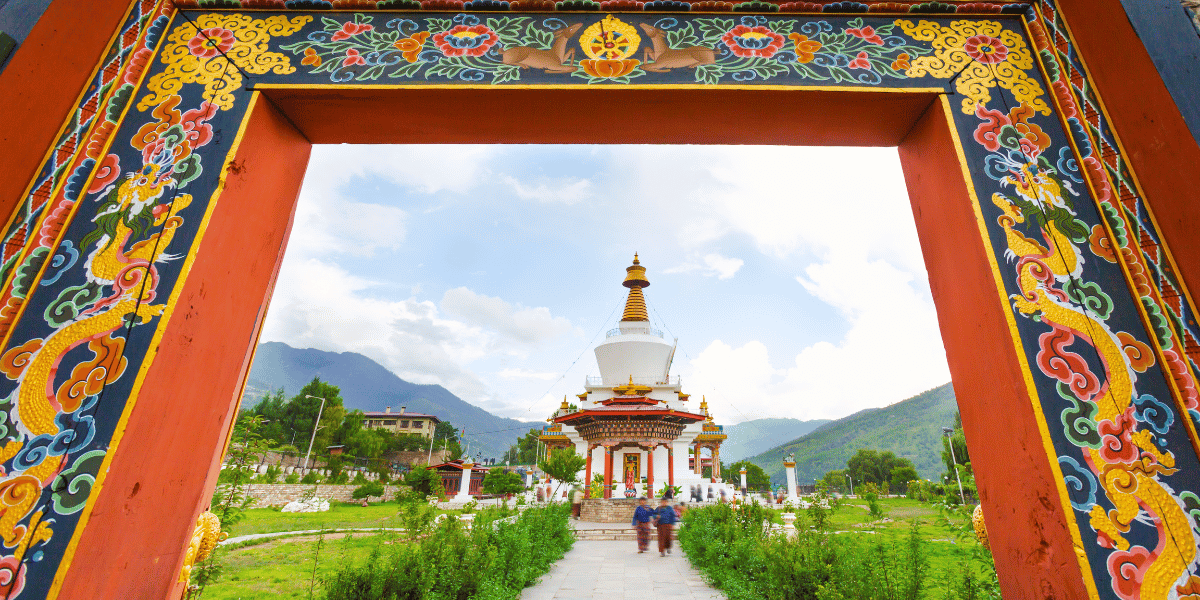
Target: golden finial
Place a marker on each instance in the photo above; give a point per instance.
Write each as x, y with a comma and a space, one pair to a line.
565, 406
635, 280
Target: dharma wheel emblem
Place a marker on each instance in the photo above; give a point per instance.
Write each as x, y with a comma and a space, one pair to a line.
609, 45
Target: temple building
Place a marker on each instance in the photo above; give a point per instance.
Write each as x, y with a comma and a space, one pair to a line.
637, 429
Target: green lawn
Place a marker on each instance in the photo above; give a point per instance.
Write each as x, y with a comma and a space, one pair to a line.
339, 516
284, 568
945, 551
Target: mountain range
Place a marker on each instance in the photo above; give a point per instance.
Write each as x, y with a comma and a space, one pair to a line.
368, 386
910, 428
749, 438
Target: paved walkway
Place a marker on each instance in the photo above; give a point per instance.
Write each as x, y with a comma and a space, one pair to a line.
604, 570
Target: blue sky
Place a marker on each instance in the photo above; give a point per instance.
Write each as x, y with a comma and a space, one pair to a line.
791, 276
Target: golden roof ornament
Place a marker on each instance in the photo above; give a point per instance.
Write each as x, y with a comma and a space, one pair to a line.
565, 406
635, 280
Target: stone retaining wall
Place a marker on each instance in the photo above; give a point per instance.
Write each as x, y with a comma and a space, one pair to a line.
613, 510
278, 494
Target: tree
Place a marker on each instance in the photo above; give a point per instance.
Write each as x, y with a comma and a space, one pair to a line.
500, 481
371, 488
423, 480
901, 475
756, 478
960, 454
563, 465
448, 435
836, 480
872, 466
524, 452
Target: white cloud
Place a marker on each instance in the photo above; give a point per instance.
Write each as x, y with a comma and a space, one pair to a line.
893, 350
327, 222
714, 265
566, 190
523, 374
514, 323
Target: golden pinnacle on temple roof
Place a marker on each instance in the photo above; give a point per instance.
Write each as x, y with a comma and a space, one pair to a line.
635, 280
565, 406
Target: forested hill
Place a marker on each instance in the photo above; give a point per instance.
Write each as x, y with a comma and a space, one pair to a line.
910, 428
752, 437
368, 386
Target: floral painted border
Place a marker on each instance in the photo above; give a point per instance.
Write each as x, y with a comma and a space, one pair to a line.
752, 6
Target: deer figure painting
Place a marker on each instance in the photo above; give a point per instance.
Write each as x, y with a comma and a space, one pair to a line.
660, 58
558, 59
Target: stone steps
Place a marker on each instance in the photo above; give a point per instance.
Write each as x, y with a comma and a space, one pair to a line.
616, 533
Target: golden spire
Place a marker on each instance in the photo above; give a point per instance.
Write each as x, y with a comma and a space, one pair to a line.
635, 304
704, 405
565, 406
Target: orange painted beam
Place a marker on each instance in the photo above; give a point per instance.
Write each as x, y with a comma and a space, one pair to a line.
1155, 139
165, 468
41, 85
1031, 540
617, 116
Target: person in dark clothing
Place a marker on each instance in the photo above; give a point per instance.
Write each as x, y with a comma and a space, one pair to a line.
641, 520
665, 518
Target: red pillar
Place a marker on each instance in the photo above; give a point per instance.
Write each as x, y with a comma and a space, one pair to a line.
587, 478
671, 466
650, 473
608, 459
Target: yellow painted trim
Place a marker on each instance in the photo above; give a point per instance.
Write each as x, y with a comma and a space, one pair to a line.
152, 350
1122, 264
1018, 347
62, 232
584, 86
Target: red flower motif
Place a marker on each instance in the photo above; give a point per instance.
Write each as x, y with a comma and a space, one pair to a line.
350, 30
867, 34
353, 58
712, 6
753, 41
211, 42
613, 5
137, 64
462, 40
801, 7
986, 49
860, 61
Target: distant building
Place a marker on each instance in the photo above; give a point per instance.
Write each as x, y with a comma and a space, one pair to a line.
401, 422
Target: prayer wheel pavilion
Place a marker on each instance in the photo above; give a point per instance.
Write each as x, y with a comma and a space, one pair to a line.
633, 423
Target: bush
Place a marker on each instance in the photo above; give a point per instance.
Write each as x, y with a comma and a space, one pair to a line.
494, 560
360, 479
292, 478
311, 477
373, 488
271, 476
423, 481
748, 562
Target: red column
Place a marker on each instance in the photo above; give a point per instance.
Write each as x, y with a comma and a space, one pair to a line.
608, 459
650, 473
671, 466
587, 478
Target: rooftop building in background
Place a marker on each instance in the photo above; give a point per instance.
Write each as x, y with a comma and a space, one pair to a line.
401, 422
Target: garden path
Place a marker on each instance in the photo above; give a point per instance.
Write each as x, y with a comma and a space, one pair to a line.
613, 570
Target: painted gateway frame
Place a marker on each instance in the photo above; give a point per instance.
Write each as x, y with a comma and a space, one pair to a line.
96, 256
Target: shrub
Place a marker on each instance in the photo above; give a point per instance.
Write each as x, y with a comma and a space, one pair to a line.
373, 488
494, 560
311, 477
272, 474
292, 478
423, 481
360, 479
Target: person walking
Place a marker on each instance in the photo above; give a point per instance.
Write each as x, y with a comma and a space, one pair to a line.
641, 520
665, 518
